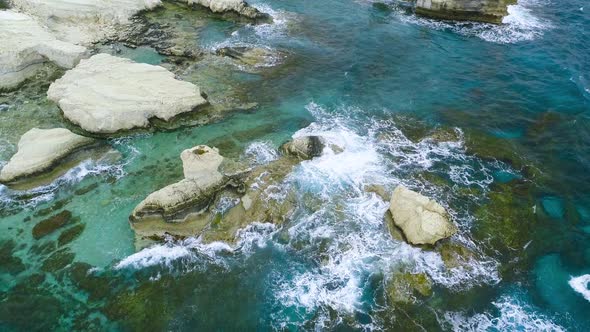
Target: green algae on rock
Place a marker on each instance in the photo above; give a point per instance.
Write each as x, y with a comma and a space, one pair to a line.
51, 224
70, 234
403, 287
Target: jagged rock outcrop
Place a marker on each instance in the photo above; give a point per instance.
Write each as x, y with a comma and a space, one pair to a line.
174, 208
25, 46
251, 56
40, 151
105, 95
216, 198
83, 21
490, 11
240, 7
423, 221
304, 147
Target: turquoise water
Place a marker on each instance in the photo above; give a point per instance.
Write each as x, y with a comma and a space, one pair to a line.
374, 80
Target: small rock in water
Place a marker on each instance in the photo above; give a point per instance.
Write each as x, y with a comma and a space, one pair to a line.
51, 224
3, 107
306, 147
422, 220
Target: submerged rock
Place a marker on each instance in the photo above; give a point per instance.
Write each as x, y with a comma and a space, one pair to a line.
107, 95
240, 7
423, 221
305, 147
70, 234
40, 151
252, 56
26, 46
403, 287
51, 224
83, 21
489, 11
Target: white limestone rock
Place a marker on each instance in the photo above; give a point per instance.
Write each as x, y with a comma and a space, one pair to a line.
423, 221
176, 202
83, 21
489, 11
106, 94
25, 46
41, 150
240, 7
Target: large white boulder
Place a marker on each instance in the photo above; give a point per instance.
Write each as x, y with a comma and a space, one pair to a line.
106, 94
83, 21
240, 7
25, 46
422, 220
41, 150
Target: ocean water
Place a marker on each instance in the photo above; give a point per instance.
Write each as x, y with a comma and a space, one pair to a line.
374, 80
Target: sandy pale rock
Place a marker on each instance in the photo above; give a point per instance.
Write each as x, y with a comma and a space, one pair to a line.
490, 11
240, 7
83, 21
179, 201
25, 46
423, 221
107, 94
40, 150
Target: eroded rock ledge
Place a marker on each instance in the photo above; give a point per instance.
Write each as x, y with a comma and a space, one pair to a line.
41, 151
489, 11
105, 95
25, 46
216, 198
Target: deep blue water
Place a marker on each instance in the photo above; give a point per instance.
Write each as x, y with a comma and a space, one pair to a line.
371, 79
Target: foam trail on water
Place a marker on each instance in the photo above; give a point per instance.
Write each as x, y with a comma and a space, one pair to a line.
580, 285
513, 316
192, 251
260, 152
521, 24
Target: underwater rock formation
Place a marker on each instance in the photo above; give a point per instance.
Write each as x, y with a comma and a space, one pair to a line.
106, 94
423, 221
26, 46
40, 151
489, 11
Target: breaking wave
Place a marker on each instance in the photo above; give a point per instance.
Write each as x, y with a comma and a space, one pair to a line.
511, 316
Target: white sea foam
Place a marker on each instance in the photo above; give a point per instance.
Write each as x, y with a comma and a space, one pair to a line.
164, 255
261, 152
521, 24
346, 229
581, 285
513, 316
32, 197
190, 254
